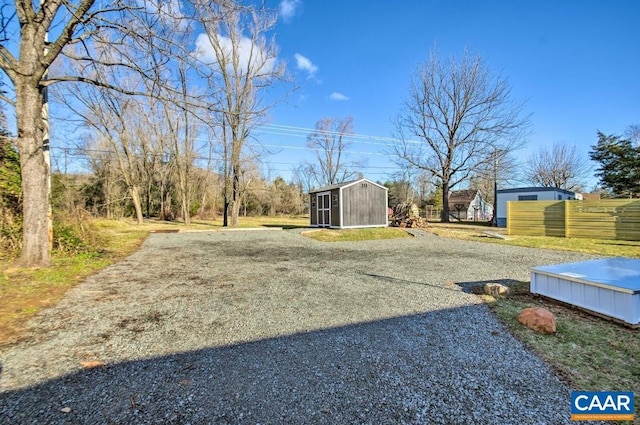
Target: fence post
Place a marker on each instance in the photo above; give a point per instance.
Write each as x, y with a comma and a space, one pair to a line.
508, 217
566, 218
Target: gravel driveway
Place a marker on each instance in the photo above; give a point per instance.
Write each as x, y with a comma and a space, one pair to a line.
272, 327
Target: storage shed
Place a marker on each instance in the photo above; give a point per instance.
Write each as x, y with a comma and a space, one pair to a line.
357, 203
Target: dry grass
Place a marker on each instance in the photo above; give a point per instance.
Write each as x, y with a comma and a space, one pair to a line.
349, 235
603, 247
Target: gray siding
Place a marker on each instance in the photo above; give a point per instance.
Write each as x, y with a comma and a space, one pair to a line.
335, 208
364, 204
313, 209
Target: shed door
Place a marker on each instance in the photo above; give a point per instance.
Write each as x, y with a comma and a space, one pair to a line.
324, 209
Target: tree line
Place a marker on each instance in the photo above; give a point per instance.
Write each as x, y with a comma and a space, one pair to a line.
171, 128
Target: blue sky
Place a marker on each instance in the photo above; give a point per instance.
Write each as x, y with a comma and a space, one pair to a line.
575, 63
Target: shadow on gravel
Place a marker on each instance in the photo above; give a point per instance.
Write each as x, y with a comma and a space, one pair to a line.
470, 286
287, 226
408, 282
423, 368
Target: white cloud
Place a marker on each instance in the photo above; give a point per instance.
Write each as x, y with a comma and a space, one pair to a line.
338, 96
246, 49
288, 9
305, 64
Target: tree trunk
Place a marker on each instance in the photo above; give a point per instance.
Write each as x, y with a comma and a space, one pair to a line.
214, 201
107, 189
162, 214
137, 205
445, 202
235, 212
225, 213
186, 216
235, 198
35, 172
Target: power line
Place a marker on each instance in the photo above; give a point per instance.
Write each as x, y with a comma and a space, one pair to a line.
320, 149
84, 152
288, 130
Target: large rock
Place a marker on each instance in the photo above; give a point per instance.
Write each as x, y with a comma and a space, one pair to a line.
496, 289
539, 319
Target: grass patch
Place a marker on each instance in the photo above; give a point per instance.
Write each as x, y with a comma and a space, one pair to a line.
590, 353
350, 235
601, 247
286, 222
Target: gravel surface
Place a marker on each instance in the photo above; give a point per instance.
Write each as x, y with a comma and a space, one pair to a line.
272, 327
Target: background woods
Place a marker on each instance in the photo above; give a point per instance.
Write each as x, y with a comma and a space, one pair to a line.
158, 110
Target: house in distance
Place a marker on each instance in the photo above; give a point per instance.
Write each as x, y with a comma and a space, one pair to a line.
469, 205
357, 203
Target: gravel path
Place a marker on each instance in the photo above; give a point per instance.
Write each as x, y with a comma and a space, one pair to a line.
271, 327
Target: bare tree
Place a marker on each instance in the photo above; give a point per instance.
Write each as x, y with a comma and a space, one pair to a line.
117, 119
26, 56
562, 167
455, 117
303, 176
330, 143
423, 182
175, 96
241, 64
106, 184
633, 134
503, 170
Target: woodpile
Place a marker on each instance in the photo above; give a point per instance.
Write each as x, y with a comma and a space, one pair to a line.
407, 215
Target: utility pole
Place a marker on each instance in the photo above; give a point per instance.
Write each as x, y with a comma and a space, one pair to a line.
46, 148
494, 219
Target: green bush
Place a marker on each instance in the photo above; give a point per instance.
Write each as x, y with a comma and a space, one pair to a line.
66, 239
10, 199
76, 233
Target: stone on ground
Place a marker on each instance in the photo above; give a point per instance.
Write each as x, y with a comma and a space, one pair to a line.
496, 289
539, 319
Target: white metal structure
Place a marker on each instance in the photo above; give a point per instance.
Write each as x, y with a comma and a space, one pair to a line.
609, 286
528, 194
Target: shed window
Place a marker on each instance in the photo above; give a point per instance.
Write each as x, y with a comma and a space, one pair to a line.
527, 197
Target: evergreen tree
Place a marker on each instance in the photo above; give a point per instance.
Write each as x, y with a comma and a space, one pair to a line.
619, 164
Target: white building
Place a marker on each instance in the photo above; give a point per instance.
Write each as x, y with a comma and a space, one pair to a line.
529, 194
469, 205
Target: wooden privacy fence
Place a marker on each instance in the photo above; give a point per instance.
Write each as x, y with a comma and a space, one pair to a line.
601, 219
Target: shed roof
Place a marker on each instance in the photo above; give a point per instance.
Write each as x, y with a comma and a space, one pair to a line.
344, 184
536, 189
462, 196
